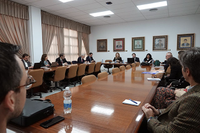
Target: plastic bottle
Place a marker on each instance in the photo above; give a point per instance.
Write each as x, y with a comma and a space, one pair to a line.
67, 101
102, 61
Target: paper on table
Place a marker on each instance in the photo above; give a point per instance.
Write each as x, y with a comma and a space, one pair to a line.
127, 101
153, 79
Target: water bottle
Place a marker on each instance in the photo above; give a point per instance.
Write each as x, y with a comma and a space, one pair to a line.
102, 61
122, 61
67, 101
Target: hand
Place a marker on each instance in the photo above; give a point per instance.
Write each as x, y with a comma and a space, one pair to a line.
155, 111
169, 85
148, 112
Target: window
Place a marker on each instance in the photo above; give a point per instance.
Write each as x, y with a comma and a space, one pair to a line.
53, 51
70, 44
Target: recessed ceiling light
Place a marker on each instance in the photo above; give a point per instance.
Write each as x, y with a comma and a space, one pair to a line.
104, 13
152, 5
65, 1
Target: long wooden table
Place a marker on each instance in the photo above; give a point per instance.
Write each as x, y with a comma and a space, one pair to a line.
97, 107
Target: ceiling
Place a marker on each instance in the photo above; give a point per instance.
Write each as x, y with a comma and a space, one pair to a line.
124, 10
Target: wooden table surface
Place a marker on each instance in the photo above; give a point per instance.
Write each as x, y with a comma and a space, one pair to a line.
97, 107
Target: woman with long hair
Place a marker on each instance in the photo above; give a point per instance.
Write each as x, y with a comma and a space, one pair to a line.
117, 58
148, 58
44, 60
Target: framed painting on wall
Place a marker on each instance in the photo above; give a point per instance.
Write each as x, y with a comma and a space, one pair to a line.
102, 45
138, 43
118, 44
185, 41
160, 43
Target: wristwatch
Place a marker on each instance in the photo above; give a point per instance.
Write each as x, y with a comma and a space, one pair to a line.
150, 119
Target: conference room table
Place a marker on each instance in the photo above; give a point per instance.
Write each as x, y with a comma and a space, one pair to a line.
97, 107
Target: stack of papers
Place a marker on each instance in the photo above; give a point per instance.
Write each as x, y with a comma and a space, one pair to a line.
153, 79
131, 102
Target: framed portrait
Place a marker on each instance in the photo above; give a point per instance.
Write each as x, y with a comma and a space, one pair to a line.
138, 43
185, 41
160, 43
102, 45
118, 44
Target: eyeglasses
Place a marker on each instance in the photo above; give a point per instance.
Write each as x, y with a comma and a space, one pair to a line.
30, 80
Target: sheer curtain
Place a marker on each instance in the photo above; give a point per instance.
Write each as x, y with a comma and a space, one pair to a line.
15, 31
53, 51
70, 44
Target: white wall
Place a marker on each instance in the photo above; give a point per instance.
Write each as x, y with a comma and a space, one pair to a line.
35, 30
148, 29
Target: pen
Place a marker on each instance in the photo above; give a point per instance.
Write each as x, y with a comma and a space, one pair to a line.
133, 101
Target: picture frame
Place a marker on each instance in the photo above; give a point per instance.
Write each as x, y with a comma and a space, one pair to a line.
160, 43
185, 41
118, 44
138, 43
102, 45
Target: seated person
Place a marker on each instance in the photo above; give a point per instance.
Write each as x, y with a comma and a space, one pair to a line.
61, 60
117, 58
176, 68
148, 59
44, 61
183, 114
136, 59
89, 58
26, 62
14, 83
168, 55
81, 59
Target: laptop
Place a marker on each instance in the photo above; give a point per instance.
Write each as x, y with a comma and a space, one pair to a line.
130, 60
53, 64
36, 66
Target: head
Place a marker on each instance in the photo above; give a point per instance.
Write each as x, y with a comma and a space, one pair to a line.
13, 78
134, 55
44, 57
138, 43
117, 55
190, 61
148, 56
159, 41
62, 56
179, 53
173, 62
83, 56
90, 54
168, 55
25, 57
185, 40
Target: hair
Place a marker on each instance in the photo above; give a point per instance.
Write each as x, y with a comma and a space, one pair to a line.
173, 62
180, 52
149, 57
90, 53
134, 54
116, 55
10, 71
61, 55
185, 39
170, 53
191, 59
24, 55
43, 57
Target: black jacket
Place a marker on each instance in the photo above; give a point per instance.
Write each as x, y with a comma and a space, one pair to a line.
136, 59
79, 60
88, 59
59, 61
42, 63
119, 58
29, 64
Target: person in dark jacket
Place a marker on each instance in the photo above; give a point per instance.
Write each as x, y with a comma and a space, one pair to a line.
26, 62
136, 59
89, 58
148, 58
61, 60
81, 59
117, 58
44, 60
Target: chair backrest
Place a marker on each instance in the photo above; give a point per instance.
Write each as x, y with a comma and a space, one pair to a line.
102, 75
88, 79
133, 64
97, 67
72, 71
91, 68
122, 68
137, 63
37, 74
59, 73
108, 60
128, 66
115, 70
81, 69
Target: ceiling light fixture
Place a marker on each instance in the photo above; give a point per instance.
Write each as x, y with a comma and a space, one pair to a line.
152, 5
104, 13
65, 1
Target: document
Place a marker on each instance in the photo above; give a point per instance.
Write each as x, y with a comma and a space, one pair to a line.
153, 79
131, 102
